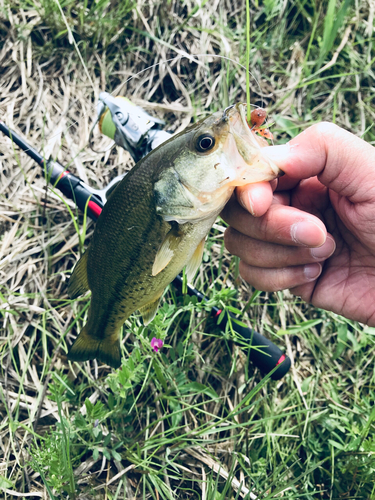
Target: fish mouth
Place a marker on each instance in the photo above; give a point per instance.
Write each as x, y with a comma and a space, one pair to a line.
249, 147
237, 116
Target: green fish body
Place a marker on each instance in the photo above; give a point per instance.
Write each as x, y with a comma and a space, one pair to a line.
155, 223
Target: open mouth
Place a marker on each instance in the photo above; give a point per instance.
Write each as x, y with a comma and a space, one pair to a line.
249, 147
242, 108
247, 143
237, 115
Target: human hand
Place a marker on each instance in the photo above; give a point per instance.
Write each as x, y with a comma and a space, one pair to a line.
316, 233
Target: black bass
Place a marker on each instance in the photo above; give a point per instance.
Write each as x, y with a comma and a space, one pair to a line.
156, 221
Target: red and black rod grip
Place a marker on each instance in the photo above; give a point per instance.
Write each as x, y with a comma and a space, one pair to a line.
70, 185
73, 188
266, 355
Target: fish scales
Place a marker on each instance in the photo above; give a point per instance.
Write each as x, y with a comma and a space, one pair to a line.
155, 223
131, 254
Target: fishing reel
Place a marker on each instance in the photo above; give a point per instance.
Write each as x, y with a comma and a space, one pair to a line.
130, 126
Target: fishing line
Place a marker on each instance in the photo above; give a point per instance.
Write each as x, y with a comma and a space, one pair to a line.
248, 59
172, 59
72, 40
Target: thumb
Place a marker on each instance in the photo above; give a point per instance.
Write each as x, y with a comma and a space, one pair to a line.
342, 161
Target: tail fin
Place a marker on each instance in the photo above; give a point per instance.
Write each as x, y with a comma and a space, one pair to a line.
87, 347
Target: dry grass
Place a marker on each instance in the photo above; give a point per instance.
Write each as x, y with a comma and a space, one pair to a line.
47, 97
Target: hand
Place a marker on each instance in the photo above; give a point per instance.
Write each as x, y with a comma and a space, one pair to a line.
316, 233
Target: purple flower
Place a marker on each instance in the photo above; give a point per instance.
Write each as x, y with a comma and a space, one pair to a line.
156, 344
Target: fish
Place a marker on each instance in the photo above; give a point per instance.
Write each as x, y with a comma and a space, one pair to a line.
155, 223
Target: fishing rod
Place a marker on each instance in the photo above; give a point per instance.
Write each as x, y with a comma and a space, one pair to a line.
139, 133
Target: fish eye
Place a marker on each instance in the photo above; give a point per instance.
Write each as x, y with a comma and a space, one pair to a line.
205, 142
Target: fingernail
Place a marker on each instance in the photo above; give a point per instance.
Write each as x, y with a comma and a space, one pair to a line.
305, 233
277, 153
312, 271
324, 251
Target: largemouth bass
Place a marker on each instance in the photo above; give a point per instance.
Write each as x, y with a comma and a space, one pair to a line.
156, 221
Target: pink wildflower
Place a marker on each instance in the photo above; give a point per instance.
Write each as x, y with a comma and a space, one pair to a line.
156, 344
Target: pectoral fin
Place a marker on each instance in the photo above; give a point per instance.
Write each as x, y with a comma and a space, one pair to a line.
149, 311
194, 262
166, 251
78, 283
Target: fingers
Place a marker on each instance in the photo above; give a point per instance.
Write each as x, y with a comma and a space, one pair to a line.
255, 198
280, 224
283, 244
272, 280
271, 267
284, 248
265, 255
342, 161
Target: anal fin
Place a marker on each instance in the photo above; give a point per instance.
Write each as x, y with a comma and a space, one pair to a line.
149, 311
78, 283
194, 262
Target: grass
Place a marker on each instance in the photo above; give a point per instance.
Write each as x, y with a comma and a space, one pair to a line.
195, 420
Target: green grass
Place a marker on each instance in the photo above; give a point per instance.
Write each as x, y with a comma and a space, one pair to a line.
195, 420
